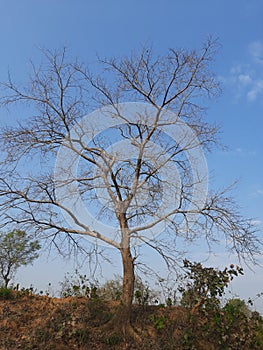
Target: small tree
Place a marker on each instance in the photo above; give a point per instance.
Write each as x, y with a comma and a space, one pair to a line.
205, 285
16, 249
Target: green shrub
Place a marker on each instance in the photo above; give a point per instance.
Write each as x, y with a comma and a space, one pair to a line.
205, 285
113, 339
81, 335
6, 293
159, 322
78, 285
112, 289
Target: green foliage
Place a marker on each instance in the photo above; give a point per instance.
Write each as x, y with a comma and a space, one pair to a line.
113, 339
159, 322
6, 293
81, 335
169, 302
188, 339
205, 285
112, 289
25, 291
142, 293
236, 307
78, 285
14, 293
233, 326
16, 249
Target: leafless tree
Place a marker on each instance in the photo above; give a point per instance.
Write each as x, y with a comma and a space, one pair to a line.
122, 162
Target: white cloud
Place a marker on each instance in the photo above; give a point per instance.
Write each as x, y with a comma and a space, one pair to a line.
256, 50
238, 68
256, 222
256, 90
246, 79
260, 192
243, 152
239, 152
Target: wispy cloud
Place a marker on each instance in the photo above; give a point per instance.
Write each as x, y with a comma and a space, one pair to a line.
256, 50
256, 90
240, 152
260, 192
256, 222
246, 79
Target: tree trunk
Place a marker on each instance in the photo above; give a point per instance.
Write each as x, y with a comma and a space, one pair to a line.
121, 321
127, 287
6, 279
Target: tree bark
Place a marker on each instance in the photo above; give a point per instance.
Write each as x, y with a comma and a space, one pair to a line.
128, 286
121, 321
128, 275
6, 276
7, 280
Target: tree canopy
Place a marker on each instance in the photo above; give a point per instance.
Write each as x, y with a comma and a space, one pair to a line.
16, 249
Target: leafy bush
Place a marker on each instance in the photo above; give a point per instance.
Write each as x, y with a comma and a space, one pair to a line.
143, 295
6, 293
205, 285
236, 308
233, 326
78, 286
112, 289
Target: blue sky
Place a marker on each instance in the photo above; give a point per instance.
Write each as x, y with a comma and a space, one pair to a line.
110, 28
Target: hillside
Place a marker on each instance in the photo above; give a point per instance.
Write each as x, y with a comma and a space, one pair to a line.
39, 322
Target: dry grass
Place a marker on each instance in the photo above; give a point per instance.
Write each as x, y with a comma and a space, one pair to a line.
39, 322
